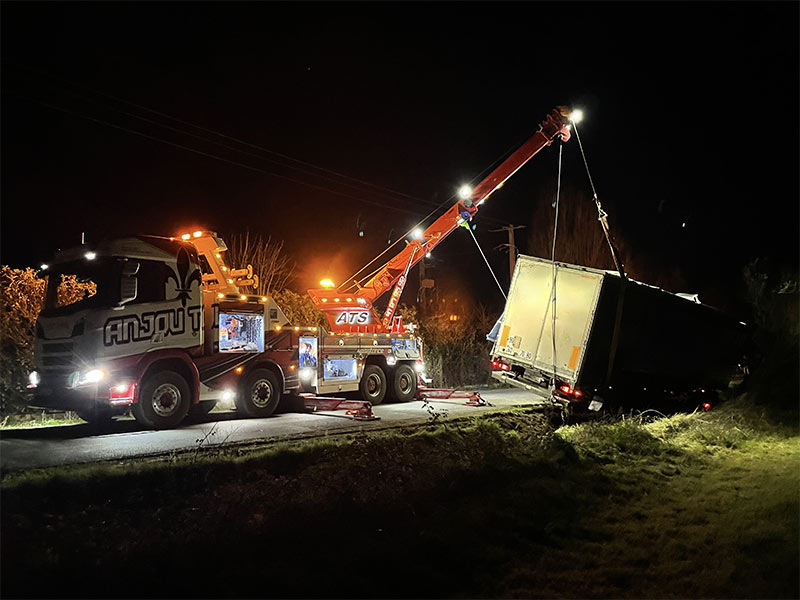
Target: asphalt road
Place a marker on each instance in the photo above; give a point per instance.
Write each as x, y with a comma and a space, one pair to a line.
69, 444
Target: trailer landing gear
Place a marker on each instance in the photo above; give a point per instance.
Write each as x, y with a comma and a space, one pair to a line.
358, 410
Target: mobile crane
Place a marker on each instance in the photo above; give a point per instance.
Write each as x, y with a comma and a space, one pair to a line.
170, 329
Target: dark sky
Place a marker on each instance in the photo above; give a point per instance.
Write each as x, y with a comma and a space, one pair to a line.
691, 117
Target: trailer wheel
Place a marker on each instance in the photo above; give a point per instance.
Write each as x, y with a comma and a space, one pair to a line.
404, 383
163, 401
373, 384
260, 395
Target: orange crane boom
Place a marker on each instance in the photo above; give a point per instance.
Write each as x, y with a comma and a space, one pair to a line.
354, 313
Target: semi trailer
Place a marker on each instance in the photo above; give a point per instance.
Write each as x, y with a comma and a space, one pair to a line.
592, 339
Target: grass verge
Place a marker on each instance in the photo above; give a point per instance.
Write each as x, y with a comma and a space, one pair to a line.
505, 505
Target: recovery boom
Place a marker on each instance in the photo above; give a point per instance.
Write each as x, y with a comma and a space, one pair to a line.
354, 313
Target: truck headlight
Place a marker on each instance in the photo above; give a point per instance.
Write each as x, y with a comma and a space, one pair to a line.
87, 377
391, 360
419, 366
306, 374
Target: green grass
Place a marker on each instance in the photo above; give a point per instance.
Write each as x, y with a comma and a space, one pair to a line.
505, 505
39, 419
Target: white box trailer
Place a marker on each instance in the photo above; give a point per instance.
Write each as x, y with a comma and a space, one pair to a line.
612, 337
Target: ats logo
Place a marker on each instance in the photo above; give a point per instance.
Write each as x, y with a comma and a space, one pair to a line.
353, 317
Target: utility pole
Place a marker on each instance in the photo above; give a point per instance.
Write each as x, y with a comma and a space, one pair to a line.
512, 248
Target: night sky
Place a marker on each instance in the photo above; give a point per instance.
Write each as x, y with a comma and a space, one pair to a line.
691, 116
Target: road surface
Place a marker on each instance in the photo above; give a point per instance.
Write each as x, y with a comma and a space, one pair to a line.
69, 444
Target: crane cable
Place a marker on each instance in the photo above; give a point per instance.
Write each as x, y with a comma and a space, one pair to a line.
602, 215
553, 258
487, 263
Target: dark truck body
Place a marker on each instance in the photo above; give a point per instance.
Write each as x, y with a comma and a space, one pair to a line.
611, 336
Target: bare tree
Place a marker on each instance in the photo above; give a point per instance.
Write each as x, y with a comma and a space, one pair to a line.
580, 238
273, 268
581, 241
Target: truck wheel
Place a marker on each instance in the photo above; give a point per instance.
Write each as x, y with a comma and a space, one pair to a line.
404, 383
373, 384
163, 401
260, 395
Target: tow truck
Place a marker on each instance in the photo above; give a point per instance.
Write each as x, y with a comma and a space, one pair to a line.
172, 329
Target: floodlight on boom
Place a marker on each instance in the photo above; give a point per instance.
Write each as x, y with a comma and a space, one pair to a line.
464, 192
576, 116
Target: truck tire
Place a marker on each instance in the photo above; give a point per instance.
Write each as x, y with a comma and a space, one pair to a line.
163, 401
404, 383
260, 394
373, 384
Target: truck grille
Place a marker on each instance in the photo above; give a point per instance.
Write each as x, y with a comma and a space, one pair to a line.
57, 348
57, 361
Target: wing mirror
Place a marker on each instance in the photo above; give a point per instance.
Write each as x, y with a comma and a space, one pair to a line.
128, 283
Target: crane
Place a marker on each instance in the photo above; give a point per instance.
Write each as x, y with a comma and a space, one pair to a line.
354, 312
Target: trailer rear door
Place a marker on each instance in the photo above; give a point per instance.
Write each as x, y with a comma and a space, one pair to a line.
526, 333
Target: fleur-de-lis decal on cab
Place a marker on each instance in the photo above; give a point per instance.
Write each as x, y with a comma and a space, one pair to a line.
183, 279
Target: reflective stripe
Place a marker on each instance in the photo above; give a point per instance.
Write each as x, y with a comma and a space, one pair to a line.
573, 357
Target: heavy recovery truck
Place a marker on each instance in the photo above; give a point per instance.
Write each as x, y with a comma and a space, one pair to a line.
172, 328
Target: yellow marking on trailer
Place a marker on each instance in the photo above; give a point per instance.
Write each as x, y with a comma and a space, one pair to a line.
573, 357
504, 336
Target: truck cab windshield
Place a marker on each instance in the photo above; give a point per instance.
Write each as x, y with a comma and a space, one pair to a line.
82, 284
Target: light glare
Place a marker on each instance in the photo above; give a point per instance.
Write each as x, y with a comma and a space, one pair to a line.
93, 376
576, 116
464, 192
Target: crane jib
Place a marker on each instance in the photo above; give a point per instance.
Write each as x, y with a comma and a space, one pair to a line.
395, 271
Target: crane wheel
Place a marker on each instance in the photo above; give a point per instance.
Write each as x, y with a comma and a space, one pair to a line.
373, 384
260, 394
404, 383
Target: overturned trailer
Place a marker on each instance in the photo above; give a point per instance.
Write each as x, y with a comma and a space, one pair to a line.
589, 338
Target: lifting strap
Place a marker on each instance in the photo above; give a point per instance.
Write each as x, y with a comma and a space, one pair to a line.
484, 259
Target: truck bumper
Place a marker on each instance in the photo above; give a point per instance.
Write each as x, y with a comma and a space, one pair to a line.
61, 398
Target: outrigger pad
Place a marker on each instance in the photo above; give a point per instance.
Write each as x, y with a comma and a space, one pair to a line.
474, 397
358, 410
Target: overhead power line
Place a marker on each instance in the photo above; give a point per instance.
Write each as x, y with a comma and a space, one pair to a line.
215, 157
49, 76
